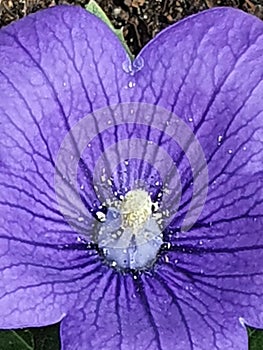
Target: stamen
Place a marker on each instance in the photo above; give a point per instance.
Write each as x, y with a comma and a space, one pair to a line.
136, 209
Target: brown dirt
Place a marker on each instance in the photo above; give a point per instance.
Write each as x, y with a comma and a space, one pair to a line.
141, 20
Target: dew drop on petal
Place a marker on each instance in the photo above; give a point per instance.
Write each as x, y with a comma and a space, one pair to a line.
219, 139
242, 322
138, 64
133, 67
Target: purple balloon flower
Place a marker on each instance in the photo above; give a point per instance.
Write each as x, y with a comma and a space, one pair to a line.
131, 193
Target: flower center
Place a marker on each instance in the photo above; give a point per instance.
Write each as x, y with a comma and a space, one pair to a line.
131, 237
136, 209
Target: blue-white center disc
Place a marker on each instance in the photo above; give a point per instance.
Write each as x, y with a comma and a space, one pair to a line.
130, 235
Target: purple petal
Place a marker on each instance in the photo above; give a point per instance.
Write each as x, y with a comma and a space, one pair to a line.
123, 313
202, 291
51, 68
38, 282
212, 78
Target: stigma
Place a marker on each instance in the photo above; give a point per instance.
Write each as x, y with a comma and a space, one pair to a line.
130, 236
136, 209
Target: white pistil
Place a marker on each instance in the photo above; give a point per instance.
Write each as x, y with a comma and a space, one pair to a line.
132, 233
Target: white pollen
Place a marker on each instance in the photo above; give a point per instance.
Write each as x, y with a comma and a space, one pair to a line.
101, 216
136, 208
166, 259
155, 207
103, 178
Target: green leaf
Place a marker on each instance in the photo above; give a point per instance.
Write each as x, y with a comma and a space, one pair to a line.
96, 10
16, 340
44, 338
255, 339
47, 338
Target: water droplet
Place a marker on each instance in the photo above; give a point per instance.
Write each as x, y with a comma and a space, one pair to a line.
213, 184
230, 151
138, 63
131, 84
130, 67
242, 322
219, 140
127, 66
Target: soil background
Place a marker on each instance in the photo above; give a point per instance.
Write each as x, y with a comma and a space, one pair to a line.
140, 20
